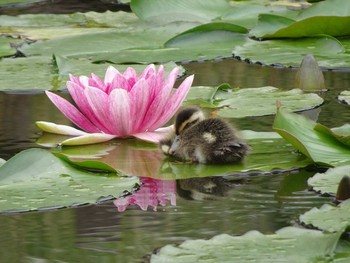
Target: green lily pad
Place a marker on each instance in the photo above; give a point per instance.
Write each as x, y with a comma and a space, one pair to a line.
35, 178
344, 97
271, 26
164, 11
246, 13
321, 147
232, 103
328, 182
2, 161
131, 157
328, 51
285, 245
329, 217
342, 133
327, 18
5, 47
44, 73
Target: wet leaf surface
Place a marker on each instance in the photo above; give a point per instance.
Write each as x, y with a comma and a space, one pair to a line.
232, 103
329, 218
328, 182
284, 245
344, 97
35, 178
301, 132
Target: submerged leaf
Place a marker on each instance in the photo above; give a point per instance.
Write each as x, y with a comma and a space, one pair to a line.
284, 245
36, 178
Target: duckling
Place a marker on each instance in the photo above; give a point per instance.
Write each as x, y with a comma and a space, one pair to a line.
204, 140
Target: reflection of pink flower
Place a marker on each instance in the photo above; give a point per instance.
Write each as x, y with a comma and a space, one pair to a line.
151, 193
121, 105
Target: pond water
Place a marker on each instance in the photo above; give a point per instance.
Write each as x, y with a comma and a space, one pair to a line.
263, 202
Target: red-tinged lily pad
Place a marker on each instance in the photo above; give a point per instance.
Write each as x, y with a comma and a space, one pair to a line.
322, 147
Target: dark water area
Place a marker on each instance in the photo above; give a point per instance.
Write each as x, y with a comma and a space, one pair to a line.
100, 233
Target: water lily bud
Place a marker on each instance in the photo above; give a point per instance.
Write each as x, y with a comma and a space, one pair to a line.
343, 191
309, 76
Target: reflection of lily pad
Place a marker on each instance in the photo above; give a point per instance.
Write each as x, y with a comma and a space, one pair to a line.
251, 101
328, 217
344, 97
35, 178
283, 246
328, 182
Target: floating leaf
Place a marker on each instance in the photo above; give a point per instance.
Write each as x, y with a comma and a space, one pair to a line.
328, 182
326, 50
284, 245
164, 11
41, 73
321, 147
272, 26
35, 178
329, 217
5, 47
261, 101
132, 157
327, 18
2, 161
344, 97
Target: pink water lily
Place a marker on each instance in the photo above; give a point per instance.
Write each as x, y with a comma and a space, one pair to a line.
122, 105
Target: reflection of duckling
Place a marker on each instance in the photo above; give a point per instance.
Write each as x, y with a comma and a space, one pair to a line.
202, 140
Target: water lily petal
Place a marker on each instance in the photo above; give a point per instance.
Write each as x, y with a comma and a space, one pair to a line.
162, 94
139, 103
119, 108
174, 103
83, 81
118, 82
89, 139
110, 73
72, 112
95, 81
150, 70
156, 135
130, 72
98, 101
80, 99
58, 128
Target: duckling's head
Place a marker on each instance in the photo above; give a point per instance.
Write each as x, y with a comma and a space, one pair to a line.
188, 117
